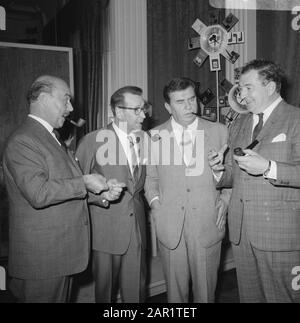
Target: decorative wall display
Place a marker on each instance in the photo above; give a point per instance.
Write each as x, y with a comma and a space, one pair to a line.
212, 42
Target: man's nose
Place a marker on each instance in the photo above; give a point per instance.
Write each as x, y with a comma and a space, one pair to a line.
70, 107
188, 105
142, 114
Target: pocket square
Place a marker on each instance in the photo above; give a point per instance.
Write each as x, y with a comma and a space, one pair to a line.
280, 138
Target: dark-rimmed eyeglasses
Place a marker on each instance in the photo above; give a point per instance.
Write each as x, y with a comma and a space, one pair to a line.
137, 110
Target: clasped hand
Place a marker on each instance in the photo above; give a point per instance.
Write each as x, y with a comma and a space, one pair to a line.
252, 162
97, 184
115, 189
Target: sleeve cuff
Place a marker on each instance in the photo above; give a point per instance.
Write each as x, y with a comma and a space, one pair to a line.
272, 174
218, 176
154, 198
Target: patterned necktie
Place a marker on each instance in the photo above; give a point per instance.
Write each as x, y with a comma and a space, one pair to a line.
187, 146
134, 159
258, 127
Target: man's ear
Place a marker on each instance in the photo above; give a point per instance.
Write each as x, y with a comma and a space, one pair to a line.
168, 107
43, 99
119, 113
271, 86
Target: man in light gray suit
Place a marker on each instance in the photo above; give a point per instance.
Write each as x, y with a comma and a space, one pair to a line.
264, 211
48, 216
187, 209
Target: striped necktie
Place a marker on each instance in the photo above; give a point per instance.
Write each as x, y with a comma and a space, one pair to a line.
134, 158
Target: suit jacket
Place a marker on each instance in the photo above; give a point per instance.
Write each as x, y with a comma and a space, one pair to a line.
270, 209
48, 215
179, 193
111, 227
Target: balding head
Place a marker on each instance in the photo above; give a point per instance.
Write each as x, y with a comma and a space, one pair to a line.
49, 98
43, 84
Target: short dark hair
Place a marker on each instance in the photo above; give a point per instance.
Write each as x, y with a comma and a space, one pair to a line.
37, 88
267, 70
177, 84
118, 97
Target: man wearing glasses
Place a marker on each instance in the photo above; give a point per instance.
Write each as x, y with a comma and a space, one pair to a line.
119, 231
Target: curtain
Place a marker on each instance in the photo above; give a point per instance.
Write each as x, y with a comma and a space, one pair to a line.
279, 42
82, 26
169, 27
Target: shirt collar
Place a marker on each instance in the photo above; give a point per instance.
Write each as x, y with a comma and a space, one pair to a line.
42, 122
123, 136
267, 112
178, 127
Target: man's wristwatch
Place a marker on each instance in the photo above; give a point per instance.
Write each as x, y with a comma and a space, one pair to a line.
105, 202
266, 172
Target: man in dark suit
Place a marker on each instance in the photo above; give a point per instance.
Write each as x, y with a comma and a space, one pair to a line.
119, 232
48, 220
187, 209
264, 212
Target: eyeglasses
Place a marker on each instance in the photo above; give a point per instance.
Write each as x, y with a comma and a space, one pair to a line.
137, 111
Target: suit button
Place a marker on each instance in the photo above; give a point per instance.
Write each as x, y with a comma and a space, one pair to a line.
131, 214
182, 208
241, 200
188, 190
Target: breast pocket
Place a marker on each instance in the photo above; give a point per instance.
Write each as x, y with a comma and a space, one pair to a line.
277, 151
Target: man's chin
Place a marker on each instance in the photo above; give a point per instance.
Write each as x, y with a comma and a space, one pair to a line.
61, 122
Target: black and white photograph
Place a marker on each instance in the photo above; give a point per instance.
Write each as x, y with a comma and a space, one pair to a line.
149, 154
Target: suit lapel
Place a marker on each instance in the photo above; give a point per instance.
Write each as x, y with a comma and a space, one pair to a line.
271, 124
43, 134
120, 157
246, 133
74, 162
242, 131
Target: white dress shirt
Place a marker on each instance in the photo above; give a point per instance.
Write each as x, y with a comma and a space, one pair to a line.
178, 130
123, 137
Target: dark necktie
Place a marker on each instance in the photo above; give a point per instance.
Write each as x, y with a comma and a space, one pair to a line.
134, 159
258, 127
58, 137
